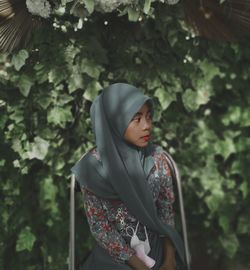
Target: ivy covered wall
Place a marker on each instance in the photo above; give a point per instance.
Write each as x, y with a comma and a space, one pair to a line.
203, 119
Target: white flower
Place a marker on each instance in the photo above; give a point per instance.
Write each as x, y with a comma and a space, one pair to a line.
110, 5
40, 8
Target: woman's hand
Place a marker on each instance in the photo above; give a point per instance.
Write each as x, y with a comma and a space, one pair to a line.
170, 265
136, 263
169, 256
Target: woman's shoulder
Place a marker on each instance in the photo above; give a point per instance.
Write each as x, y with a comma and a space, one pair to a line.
161, 154
161, 158
158, 150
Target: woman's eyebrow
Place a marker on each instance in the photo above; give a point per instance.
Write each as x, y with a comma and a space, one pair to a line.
140, 113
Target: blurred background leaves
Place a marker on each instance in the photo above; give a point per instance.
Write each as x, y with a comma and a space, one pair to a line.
200, 88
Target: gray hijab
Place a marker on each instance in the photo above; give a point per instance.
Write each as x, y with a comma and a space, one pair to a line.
123, 168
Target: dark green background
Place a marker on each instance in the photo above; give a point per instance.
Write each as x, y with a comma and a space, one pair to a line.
201, 89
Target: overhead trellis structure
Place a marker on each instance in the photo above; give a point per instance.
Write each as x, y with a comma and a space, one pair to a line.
227, 20
18, 20
224, 20
16, 24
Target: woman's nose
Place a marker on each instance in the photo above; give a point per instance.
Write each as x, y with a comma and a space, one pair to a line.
146, 124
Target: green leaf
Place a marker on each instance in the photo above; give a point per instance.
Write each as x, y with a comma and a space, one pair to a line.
75, 82
237, 115
210, 70
92, 90
3, 121
2, 162
26, 240
230, 243
57, 75
224, 223
193, 99
133, 15
189, 100
203, 96
243, 144
48, 193
17, 115
41, 73
165, 98
63, 99
25, 84
243, 226
212, 183
245, 118
38, 149
225, 147
90, 68
64, 2
59, 116
244, 189
18, 60
44, 101
89, 5
147, 5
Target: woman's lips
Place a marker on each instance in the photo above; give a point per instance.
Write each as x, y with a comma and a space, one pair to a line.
146, 138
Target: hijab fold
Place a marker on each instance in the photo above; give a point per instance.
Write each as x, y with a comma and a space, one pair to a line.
123, 168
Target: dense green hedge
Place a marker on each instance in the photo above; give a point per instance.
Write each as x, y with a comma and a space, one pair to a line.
203, 120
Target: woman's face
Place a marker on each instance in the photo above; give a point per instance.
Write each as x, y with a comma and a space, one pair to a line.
139, 129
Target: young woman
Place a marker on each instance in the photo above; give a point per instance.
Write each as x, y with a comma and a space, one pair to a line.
127, 187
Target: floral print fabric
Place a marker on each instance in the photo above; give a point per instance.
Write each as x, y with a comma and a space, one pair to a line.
109, 219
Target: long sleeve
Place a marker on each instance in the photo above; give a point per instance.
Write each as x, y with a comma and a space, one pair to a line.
104, 231
166, 196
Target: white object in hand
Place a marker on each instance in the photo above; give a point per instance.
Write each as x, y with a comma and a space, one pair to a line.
140, 253
142, 248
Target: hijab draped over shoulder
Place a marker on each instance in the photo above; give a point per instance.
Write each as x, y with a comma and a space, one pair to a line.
123, 168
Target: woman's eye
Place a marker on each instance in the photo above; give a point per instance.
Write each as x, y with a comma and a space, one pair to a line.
137, 119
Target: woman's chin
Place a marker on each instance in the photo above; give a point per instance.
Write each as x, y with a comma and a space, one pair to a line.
142, 144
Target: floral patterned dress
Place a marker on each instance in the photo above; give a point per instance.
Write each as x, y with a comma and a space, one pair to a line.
110, 221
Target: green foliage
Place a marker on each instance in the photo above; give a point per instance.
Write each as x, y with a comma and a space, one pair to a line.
25, 240
202, 117
18, 60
